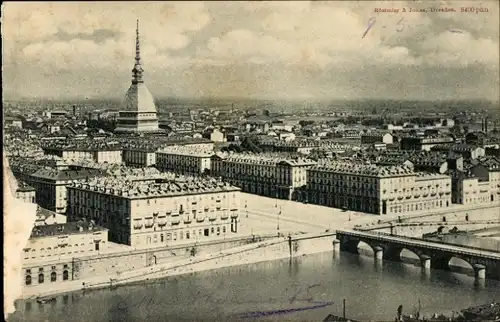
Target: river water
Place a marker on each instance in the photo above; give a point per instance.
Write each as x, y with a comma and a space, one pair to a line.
299, 289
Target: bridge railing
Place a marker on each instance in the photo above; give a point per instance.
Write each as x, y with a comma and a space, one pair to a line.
433, 212
420, 240
423, 223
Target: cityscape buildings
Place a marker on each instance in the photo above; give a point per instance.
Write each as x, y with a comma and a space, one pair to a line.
144, 188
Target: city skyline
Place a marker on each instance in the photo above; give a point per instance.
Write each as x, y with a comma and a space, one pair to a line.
270, 50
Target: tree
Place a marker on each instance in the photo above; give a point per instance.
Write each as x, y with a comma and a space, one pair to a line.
106, 125
304, 123
232, 148
249, 144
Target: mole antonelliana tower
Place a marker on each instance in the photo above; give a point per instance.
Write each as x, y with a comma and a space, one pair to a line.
138, 110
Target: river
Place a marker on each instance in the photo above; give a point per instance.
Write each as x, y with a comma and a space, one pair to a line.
301, 289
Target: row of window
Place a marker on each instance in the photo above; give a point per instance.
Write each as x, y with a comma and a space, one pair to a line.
187, 234
57, 251
477, 200
419, 206
41, 277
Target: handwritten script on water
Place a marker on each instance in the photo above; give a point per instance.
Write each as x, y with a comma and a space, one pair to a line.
127, 303
301, 299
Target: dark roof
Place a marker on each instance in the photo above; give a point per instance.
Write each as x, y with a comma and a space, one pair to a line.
59, 175
11, 118
69, 228
23, 187
490, 162
44, 213
463, 148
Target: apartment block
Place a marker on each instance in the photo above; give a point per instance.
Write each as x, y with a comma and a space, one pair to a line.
159, 212
377, 189
262, 174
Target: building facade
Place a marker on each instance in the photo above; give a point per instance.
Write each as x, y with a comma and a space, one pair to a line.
377, 189
26, 193
51, 248
50, 185
100, 152
263, 175
423, 143
468, 190
154, 214
137, 157
487, 171
184, 160
376, 137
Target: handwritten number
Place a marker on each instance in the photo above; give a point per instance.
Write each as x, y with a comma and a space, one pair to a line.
309, 298
371, 22
123, 305
401, 25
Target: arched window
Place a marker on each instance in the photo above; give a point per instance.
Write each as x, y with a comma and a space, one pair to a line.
65, 275
28, 280
53, 276
41, 278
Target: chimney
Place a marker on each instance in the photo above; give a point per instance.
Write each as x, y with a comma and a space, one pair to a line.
486, 125
482, 124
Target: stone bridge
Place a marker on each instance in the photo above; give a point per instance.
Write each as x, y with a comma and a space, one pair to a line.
434, 255
417, 229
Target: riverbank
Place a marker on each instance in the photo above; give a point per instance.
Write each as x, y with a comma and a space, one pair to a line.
267, 250
271, 249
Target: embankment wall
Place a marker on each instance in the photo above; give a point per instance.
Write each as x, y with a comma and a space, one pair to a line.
209, 257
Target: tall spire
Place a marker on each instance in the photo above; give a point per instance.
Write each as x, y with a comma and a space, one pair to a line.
137, 71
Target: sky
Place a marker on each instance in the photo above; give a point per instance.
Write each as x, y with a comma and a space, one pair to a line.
269, 50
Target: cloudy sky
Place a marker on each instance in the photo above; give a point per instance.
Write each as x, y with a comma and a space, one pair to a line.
295, 50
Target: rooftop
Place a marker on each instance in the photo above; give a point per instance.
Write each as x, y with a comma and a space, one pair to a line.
23, 187
364, 169
188, 151
263, 159
44, 213
490, 162
82, 145
463, 147
119, 170
64, 175
81, 227
160, 188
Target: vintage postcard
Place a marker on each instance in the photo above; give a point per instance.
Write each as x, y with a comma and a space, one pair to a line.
251, 161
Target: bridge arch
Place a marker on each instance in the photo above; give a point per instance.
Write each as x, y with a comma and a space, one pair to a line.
354, 245
402, 254
365, 248
461, 264
453, 263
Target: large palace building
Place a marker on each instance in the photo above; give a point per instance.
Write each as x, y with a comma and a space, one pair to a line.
157, 212
138, 112
377, 189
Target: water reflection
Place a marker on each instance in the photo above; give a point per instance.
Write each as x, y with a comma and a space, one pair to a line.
219, 295
425, 275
